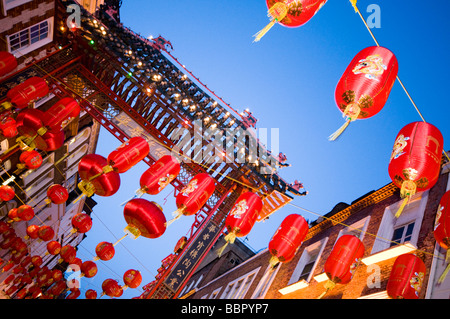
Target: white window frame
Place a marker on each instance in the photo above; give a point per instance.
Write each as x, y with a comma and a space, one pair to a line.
361, 224
238, 292
294, 283
31, 47
265, 282
12, 4
414, 211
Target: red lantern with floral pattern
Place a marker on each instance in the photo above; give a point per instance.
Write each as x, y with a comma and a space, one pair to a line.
53, 247
288, 238
132, 278
57, 194
25, 212
90, 294
416, 159
111, 288
68, 254
6, 193
32, 231
60, 114
46, 233
81, 223
89, 269
30, 160
343, 260
8, 125
26, 92
406, 279
159, 175
105, 251
289, 13
194, 195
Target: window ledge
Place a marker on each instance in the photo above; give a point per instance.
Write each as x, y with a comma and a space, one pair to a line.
321, 277
294, 287
389, 253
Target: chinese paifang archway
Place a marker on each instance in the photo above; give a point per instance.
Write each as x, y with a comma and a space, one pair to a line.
119, 77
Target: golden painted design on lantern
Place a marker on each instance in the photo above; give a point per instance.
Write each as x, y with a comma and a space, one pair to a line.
192, 186
399, 146
164, 181
416, 282
239, 209
372, 67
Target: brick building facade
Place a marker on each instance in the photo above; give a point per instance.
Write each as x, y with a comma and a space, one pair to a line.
371, 218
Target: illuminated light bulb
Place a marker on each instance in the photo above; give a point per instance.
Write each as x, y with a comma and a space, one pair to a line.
130, 52
104, 32
139, 63
95, 21
102, 28
231, 122
62, 28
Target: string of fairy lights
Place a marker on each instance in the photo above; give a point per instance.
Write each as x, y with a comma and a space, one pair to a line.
236, 181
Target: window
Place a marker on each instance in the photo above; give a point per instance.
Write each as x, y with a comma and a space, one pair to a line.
398, 236
31, 38
9, 4
304, 271
239, 287
402, 234
357, 229
265, 282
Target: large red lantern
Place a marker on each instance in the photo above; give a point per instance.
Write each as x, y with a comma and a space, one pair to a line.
111, 288
6, 193
30, 160
95, 180
60, 114
81, 223
288, 238
343, 260
104, 251
8, 125
442, 230
46, 233
365, 85
30, 125
159, 175
68, 254
132, 278
242, 217
53, 247
144, 218
26, 92
57, 194
25, 212
89, 269
8, 63
128, 154
289, 13
416, 159
12, 215
406, 279
194, 196
37, 261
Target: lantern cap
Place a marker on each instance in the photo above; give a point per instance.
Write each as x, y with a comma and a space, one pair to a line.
132, 230
87, 188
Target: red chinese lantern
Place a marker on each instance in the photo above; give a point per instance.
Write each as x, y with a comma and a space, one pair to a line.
53, 247
57, 194
46, 233
416, 159
194, 195
94, 179
288, 238
8, 63
30, 160
36, 260
365, 85
19, 246
74, 293
8, 266
60, 114
25, 212
442, 230
132, 278
81, 223
31, 126
343, 260
4, 227
68, 254
179, 246
26, 92
6, 193
128, 154
159, 175
89, 269
242, 217
289, 13
8, 125
144, 218
406, 279
58, 288
12, 215
90, 294
105, 251
32, 231
57, 275
111, 288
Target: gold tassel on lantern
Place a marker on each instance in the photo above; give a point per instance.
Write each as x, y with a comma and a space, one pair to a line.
273, 262
407, 190
328, 286
351, 113
353, 2
447, 269
230, 238
276, 13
